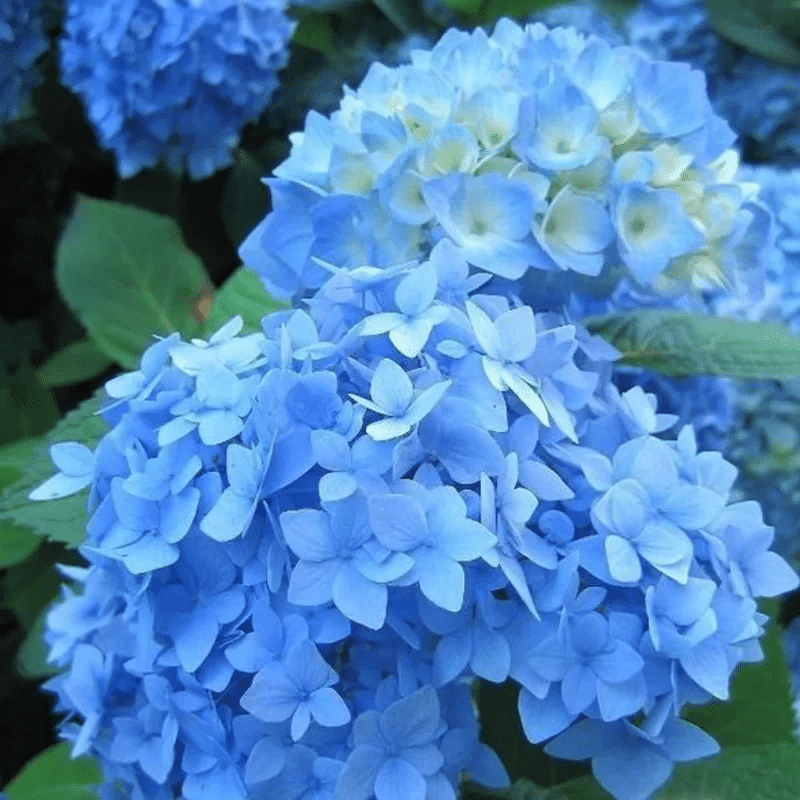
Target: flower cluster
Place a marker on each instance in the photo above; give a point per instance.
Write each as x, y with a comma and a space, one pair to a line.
531, 152
173, 82
305, 543
22, 41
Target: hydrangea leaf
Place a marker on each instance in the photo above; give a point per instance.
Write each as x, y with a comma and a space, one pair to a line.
62, 520
679, 344
739, 773
16, 542
760, 709
28, 588
242, 294
751, 25
489, 10
243, 201
128, 276
53, 773
78, 361
314, 31
26, 407
31, 660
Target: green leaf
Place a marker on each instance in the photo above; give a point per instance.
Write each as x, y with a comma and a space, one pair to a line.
28, 588
61, 520
243, 294
127, 275
679, 344
469, 7
760, 709
16, 543
584, 788
488, 11
26, 407
77, 362
31, 660
758, 26
54, 775
243, 202
13, 459
315, 32
766, 772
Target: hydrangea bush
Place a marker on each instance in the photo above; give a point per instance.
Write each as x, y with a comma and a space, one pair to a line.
22, 41
173, 81
306, 542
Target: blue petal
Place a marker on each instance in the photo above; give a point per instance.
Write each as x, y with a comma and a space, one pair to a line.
542, 719
397, 521
195, 636
328, 708
391, 388
229, 517
359, 599
398, 780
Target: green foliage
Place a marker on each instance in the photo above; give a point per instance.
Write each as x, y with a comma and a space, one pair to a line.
53, 774
243, 202
488, 11
77, 362
31, 658
769, 29
679, 344
26, 407
760, 709
61, 520
16, 542
771, 772
128, 276
28, 588
315, 32
243, 294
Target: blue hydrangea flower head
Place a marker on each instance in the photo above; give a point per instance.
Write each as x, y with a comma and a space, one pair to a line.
173, 81
532, 151
22, 41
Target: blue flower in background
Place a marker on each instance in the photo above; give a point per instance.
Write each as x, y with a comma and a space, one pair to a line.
22, 41
173, 82
759, 98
